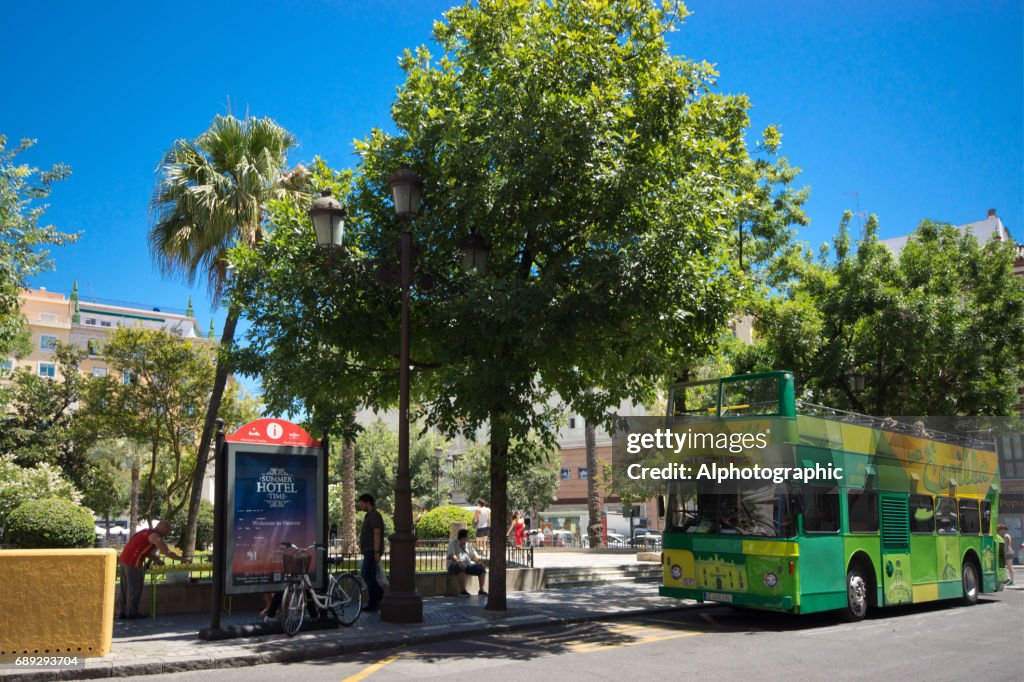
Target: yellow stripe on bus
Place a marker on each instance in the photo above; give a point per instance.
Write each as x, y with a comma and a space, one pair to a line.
765, 548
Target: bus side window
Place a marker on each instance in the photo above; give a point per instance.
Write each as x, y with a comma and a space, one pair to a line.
863, 508
986, 518
922, 514
946, 516
821, 509
969, 519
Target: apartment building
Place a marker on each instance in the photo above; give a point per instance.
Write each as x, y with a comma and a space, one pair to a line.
86, 321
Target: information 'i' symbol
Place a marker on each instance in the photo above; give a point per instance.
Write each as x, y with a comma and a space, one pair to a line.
274, 431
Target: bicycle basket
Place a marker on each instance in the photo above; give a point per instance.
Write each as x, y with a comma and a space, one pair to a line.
296, 563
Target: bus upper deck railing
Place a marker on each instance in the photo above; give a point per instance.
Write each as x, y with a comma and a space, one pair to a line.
893, 425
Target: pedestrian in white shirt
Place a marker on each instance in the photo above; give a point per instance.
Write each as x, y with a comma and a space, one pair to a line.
464, 560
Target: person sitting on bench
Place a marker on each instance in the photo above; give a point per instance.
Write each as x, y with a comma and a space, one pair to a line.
464, 560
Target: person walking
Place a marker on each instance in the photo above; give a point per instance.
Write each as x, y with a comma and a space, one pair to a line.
145, 545
482, 521
1007, 551
517, 528
371, 544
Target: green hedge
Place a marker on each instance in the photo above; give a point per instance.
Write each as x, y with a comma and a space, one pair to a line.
437, 523
51, 523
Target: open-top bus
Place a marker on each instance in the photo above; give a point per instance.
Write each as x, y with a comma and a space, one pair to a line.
911, 520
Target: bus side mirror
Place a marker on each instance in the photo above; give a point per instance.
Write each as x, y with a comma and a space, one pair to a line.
661, 506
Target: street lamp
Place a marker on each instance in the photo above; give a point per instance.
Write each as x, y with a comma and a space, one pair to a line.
328, 220
475, 250
403, 604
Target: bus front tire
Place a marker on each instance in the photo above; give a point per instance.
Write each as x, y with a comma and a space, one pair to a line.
857, 586
971, 583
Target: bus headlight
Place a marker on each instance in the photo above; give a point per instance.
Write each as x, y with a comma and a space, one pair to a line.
676, 572
771, 580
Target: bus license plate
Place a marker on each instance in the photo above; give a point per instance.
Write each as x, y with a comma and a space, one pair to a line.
717, 596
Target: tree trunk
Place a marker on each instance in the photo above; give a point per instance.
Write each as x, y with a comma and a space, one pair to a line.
348, 495
593, 502
496, 594
220, 381
133, 508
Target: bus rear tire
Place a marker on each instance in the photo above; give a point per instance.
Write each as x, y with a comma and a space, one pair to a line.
972, 586
857, 587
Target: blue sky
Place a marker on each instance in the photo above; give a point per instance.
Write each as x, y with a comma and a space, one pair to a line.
916, 106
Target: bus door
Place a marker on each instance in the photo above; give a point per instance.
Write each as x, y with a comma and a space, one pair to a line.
894, 517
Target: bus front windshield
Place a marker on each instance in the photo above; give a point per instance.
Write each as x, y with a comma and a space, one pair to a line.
763, 512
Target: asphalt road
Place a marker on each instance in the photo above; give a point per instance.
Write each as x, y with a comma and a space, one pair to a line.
928, 642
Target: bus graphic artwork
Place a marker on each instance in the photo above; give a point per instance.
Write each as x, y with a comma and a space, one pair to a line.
911, 520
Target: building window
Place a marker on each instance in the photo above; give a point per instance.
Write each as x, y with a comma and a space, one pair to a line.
566, 474
821, 510
922, 514
582, 471
6, 365
572, 422
126, 377
946, 516
90, 321
93, 345
969, 520
105, 323
863, 506
1011, 455
99, 371
47, 341
48, 370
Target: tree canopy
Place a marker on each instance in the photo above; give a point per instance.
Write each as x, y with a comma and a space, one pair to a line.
608, 179
24, 242
936, 330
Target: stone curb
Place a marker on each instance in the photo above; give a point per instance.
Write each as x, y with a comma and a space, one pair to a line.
317, 649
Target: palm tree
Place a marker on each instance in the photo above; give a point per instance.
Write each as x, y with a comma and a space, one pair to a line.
211, 195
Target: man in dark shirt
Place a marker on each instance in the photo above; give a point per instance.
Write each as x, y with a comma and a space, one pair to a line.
371, 544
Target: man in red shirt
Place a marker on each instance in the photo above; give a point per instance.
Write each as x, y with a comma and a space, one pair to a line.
146, 544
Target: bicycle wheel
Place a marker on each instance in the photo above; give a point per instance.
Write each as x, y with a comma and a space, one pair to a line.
293, 609
346, 599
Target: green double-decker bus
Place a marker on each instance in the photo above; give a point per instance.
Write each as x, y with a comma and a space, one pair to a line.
911, 519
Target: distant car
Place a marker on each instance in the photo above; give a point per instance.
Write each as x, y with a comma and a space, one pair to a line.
616, 540
647, 537
563, 538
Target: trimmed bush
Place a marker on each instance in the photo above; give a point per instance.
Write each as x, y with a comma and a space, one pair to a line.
437, 523
50, 523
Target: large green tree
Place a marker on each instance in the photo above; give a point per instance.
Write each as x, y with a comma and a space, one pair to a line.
44, 422
212, 193
24, 242
608, 179
936, 330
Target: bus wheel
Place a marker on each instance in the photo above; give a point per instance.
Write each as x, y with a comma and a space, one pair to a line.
970, 580
856, 594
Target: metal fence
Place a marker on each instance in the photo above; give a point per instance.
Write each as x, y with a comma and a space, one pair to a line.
431, 556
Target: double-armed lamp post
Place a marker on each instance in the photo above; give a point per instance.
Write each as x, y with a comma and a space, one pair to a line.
402, 604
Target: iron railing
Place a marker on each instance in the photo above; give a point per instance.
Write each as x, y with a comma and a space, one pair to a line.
431, 556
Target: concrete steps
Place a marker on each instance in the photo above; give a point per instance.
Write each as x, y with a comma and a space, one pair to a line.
556, 578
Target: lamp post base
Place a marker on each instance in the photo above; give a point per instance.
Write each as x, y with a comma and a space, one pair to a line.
402, 607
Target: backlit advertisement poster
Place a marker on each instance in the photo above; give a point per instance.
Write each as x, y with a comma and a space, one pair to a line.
273, 497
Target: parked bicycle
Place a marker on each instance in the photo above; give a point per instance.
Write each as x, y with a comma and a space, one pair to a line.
343, 599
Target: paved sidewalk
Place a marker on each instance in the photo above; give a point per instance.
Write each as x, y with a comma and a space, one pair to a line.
169, 644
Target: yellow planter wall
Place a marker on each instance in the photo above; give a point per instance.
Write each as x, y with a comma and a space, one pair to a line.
57, 601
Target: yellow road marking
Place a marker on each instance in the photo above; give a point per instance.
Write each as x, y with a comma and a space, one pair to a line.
371, 669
